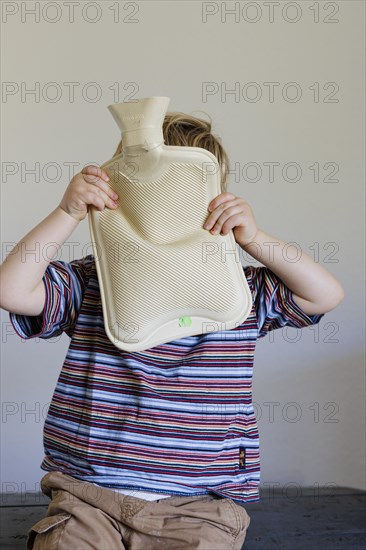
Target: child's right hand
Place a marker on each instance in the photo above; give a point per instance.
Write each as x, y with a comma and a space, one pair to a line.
88, 187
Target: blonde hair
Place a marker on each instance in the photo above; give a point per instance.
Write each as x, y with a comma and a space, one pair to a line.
185, 130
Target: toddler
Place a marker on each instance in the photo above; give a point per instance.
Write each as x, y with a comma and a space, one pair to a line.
159, 448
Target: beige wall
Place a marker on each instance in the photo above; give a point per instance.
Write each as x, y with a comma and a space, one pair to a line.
189, 52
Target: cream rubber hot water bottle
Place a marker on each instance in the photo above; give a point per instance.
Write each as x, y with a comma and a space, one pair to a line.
162, 276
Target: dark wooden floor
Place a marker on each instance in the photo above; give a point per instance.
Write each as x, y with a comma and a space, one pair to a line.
301, 519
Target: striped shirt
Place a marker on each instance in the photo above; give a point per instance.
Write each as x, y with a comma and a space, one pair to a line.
174, 419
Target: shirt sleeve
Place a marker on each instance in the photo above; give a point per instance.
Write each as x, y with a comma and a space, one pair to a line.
64, 285
274, 303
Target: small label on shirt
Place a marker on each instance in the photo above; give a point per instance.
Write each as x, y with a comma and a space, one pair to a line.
241, 458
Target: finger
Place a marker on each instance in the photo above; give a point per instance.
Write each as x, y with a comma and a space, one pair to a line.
93, 170
92, 199
226, 219
101, 184
231, 223
223, 197
214, 216
99, 199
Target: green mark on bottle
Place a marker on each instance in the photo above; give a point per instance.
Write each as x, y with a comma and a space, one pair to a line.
185, 321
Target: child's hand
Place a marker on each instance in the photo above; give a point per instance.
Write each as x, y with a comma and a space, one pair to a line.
231, 212
88, 187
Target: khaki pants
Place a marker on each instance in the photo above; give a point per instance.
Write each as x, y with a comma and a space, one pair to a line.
84, 516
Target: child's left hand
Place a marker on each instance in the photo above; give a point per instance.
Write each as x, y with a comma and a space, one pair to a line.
229, 212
